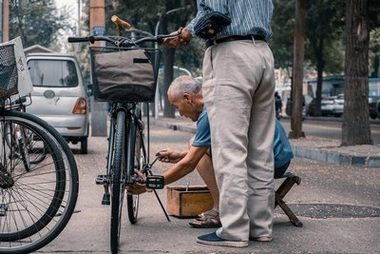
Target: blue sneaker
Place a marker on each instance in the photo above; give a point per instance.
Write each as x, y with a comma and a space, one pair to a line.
215, 240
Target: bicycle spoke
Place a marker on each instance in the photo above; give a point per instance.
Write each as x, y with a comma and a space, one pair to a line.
36, 200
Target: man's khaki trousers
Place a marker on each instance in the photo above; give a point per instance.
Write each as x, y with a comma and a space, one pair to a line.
238, 92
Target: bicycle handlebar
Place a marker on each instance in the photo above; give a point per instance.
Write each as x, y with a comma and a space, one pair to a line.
81, 39
120, 41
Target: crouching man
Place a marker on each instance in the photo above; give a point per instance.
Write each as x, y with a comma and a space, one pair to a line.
185, 94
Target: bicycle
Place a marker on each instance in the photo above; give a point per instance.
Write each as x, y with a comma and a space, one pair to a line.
135, 68
38, 174
22, 140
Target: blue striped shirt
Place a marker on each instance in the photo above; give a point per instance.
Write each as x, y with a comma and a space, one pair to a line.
248, 17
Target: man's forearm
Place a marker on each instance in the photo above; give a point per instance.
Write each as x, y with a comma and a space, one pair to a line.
186, 165
178, 171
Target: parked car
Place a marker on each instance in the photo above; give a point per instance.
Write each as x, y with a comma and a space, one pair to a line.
59, 96
305, 103
337, 108
327, 105
374, 106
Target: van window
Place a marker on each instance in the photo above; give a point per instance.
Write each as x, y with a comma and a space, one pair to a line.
53, 73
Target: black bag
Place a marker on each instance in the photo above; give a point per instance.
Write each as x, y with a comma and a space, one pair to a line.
8, 72
209, 25
124, 75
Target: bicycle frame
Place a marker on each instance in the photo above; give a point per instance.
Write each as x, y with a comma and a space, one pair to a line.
131, 119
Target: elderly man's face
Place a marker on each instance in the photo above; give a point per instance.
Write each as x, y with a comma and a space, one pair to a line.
185, 105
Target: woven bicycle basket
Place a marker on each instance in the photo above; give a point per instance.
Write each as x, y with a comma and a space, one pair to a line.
124, 74
8, 72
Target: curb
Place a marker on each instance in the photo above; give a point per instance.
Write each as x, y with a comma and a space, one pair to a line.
317, 154
333, 157
174, 126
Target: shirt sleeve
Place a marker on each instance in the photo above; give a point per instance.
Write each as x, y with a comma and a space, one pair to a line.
216, 5
202, 133
200, 13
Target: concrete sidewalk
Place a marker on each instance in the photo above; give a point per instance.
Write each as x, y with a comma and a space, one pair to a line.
339, 207
314, 148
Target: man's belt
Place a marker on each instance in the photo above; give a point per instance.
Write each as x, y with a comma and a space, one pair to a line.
234, 38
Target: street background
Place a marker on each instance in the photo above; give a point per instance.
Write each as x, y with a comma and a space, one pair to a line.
340, 208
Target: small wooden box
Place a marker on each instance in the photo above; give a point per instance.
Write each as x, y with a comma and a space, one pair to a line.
183, 201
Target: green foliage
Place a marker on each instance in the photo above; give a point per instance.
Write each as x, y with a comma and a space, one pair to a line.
191, 57
325, 25
282, 30
374, 53
373, 14
374, 43
145, 14
334, 53
324, 33
37, 22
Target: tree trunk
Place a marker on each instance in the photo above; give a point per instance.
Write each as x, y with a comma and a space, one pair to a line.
168, 59
320, 68
376, 65
299, 35
318, 94
355, 128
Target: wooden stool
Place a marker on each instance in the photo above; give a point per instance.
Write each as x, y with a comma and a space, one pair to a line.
290, 180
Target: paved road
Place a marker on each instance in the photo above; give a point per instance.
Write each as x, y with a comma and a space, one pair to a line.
330, 128
88, 231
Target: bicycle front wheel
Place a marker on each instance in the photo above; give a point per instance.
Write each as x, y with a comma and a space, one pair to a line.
36, 202
117, 180
136, 160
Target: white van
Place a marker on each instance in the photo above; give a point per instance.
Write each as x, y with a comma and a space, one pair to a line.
59, 95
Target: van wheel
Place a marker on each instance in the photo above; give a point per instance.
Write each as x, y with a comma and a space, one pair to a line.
83, 146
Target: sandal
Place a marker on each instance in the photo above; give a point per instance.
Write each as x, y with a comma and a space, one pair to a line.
209, 219
209, 213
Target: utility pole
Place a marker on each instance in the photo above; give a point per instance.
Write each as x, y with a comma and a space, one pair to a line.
79, 19
1, 20
97, 18
98, 109
4, 16
298, 58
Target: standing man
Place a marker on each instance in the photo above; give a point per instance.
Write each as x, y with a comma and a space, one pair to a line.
238, 75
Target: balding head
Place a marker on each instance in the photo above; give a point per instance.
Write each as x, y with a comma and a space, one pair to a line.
184, 84
185, 94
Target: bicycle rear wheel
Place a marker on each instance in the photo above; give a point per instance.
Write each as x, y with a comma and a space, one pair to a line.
137, 163
35, 204
117, 180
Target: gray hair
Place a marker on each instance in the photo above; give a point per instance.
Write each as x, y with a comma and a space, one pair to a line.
184, 84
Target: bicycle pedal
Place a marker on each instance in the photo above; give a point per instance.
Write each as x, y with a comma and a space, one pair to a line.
155, 182
106, 199
101, 179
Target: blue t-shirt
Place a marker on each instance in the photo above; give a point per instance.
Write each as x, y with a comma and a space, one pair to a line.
202, 133
282, 150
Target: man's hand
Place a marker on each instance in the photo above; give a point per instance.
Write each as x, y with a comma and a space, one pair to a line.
185, 34
182, 39
137, 189
169, 156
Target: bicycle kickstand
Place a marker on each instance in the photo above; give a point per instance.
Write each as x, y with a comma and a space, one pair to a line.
155, 182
